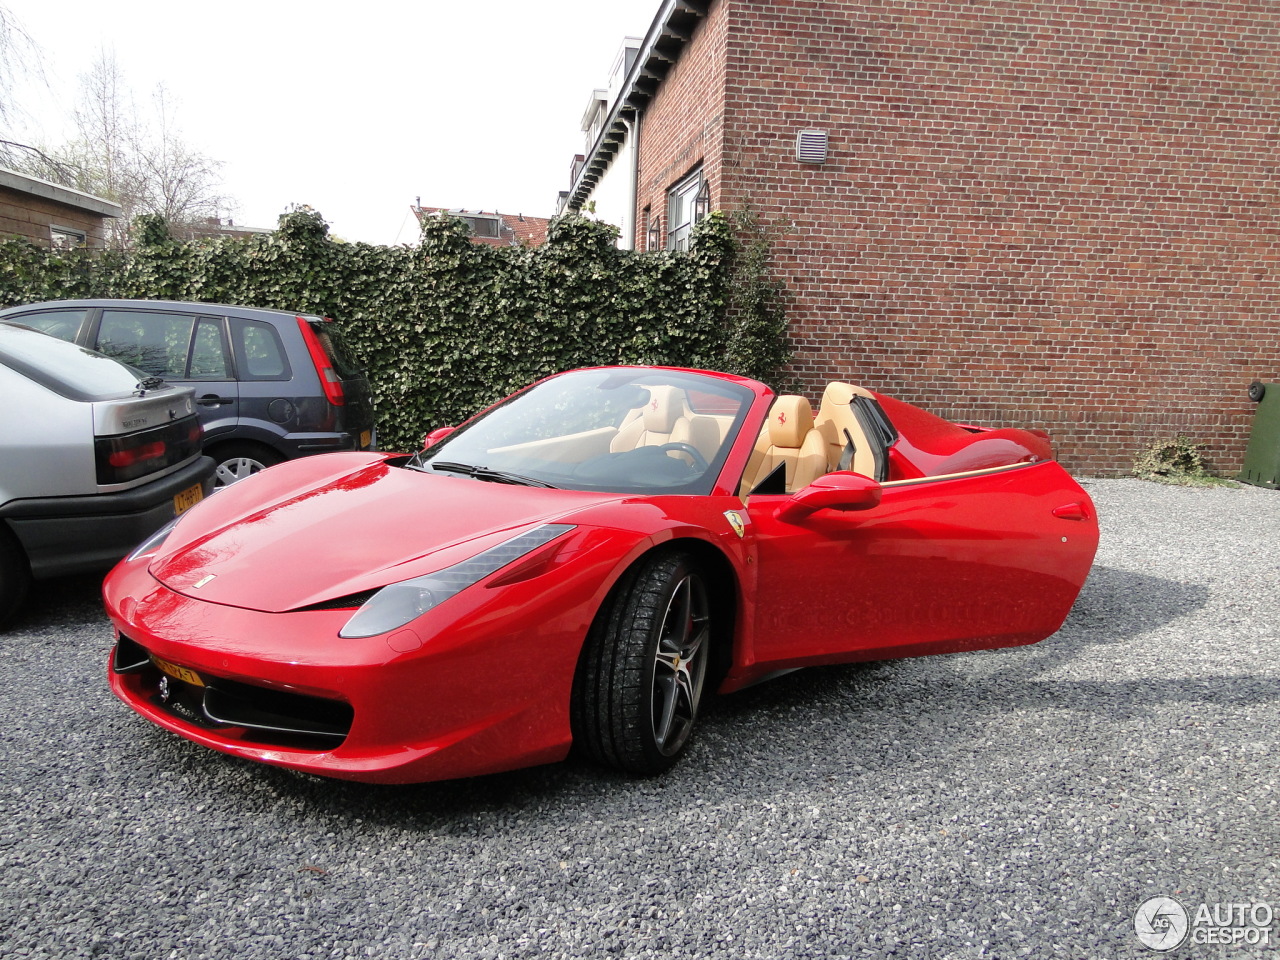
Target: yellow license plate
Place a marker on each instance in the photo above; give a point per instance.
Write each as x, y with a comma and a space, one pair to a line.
187, 499
366, 436
177, 672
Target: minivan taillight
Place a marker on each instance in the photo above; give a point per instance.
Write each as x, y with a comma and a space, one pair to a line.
329, 378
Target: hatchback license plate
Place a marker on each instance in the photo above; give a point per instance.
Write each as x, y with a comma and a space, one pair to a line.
177, 672
187, 499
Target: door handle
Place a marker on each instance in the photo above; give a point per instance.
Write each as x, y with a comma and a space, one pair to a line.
212, 400
1071, 511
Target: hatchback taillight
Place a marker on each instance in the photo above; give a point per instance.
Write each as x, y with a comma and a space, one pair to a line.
124, 458
329, 379
128, 456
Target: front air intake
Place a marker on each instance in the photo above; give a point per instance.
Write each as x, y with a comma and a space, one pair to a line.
274, 712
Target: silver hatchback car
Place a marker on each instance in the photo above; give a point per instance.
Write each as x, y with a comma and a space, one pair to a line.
94, 457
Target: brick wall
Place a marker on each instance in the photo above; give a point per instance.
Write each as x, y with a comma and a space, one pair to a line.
1061, 214
683, 125
25, 215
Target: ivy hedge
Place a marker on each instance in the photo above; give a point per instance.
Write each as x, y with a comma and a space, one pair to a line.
449, 326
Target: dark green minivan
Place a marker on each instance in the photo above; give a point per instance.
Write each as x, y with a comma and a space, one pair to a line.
270, 385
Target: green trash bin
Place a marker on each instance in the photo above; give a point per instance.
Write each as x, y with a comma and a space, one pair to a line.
1262, 458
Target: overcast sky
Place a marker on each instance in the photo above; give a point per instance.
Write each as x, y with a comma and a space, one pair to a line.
354, 108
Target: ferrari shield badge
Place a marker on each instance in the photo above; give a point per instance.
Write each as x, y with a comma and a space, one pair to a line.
735, 521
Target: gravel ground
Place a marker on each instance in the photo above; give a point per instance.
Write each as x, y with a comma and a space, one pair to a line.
999, 804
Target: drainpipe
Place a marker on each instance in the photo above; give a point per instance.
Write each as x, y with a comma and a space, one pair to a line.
633, 147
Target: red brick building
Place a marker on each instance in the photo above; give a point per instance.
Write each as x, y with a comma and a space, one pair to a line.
496, 229
1054, 213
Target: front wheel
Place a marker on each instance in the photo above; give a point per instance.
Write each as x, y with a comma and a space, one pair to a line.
642, 673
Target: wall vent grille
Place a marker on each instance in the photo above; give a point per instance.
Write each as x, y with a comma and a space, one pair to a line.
811, 146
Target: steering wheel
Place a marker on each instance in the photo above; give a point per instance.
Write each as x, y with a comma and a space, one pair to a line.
699, 461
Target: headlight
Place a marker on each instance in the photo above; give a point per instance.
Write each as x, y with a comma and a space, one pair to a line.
152, 543
397, 603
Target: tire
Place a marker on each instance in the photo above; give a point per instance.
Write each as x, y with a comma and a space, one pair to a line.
643, 669
15, 575
239, 460
1257, 390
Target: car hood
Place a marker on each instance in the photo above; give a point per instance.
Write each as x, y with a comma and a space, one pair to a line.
317, 529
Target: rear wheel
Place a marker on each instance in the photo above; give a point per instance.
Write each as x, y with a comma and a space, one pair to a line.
15, 575
239, 460
642, 674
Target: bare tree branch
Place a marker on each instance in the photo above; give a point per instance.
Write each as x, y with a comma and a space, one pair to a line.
36, 162
146, 167
19, 57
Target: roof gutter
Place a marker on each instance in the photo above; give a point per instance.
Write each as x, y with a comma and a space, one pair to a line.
34, 186
670, 31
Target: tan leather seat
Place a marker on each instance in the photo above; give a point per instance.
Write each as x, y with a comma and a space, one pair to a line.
701, 433
847, 445
657, 421
789, 441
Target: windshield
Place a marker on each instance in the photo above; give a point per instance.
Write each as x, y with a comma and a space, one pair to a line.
624, 430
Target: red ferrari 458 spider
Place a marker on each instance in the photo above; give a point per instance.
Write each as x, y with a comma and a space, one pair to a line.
581, 564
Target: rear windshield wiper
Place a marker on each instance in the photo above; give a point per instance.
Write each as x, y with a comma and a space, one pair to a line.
486, 473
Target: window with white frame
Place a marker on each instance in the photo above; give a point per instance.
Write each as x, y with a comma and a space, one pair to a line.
682, 210
482, 226
64, 238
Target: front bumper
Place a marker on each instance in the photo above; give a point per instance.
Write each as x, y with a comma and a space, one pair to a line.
305, 444
486, 688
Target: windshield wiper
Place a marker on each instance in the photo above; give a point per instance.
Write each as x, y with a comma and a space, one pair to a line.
504, 476
449, 467
487, 473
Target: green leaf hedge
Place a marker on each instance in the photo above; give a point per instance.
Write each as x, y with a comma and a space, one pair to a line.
449, 326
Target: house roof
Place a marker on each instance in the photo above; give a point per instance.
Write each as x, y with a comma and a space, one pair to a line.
218, 227
34, 186
671, 29
516, 228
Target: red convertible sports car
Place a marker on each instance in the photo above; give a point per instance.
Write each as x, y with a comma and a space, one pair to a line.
581, 564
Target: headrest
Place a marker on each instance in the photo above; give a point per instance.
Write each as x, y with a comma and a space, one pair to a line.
837, 394
790, 420
841, 394
665, 407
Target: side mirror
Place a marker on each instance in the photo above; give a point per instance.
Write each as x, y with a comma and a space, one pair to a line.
835, 491
436, 435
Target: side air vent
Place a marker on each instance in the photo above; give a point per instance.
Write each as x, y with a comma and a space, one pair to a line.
349, 602
811, 146
129, 657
